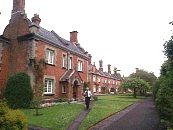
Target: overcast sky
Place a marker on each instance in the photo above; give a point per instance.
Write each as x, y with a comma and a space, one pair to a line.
127, 34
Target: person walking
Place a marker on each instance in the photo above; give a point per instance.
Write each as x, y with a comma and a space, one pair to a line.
87, 95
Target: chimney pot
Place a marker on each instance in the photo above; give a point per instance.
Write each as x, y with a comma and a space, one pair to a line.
36, 19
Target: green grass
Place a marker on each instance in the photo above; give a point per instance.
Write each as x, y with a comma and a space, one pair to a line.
55, 117
106, 106
62, 115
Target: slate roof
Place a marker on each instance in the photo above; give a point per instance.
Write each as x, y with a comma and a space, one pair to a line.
55, 39
107, 75
67, 75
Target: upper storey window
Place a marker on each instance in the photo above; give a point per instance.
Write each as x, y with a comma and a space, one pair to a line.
80, 65
64, 61
70, 63
50, 56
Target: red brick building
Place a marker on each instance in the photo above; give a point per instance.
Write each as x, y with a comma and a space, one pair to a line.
24, 45
101, 81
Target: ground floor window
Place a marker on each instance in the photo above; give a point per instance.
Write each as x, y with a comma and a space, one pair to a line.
63, 89
48, 88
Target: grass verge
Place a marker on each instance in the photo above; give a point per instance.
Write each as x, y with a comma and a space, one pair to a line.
56, 117
106, 106
62, 115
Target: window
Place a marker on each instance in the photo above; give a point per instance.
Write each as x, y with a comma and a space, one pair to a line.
63, 89
105, 81
48, 86
70, 63
94, 78
109, 81
98, 79
80, 65
113, 82
50, 56
64, 60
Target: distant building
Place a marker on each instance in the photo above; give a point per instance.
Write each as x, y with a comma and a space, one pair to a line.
103, 82
25, 45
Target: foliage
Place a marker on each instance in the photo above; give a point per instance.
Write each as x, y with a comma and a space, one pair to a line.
163, 90
39, 70
95, 97
135, 84
147, 76
11, 119
18, 91
103, 89
85, 85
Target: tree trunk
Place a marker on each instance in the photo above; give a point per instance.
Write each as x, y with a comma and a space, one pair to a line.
134, 92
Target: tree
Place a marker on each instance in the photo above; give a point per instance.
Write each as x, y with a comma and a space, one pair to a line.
135, 84
163, 89
18, 91
147, 76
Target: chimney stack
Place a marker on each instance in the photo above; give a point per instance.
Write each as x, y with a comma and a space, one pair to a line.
90, 58
101, 65
18, 7
109, 68
73, 37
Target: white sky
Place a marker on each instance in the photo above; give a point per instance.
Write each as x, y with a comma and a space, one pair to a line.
124, 33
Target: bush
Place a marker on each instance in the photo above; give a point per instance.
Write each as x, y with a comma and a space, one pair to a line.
95, 97
12, 119
18, 91
164, 103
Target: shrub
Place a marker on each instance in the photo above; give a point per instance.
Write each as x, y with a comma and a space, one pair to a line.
95, 97
18, 91
164, 103
11, 119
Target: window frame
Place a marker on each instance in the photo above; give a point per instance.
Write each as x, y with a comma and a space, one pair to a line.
46, 86
64, 60
80, 65
70, 62
50, 56
64, 90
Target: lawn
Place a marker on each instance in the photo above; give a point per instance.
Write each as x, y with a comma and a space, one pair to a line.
61, 116
56, 117
106, 106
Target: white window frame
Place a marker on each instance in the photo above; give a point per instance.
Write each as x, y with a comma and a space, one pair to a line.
98, 79
80, 65
70, 62
64, 60
94, 78
113, 82
109, 81
105, 80
50, 56
48, 86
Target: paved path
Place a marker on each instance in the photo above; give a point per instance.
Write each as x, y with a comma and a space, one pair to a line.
140, 116
76, 123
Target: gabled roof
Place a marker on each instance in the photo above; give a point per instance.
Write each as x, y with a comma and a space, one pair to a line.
56, 40
68, 75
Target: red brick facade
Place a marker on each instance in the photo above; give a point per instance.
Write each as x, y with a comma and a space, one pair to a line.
24, 43
103, 82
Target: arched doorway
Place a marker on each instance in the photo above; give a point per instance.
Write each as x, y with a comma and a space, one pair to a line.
75, 89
